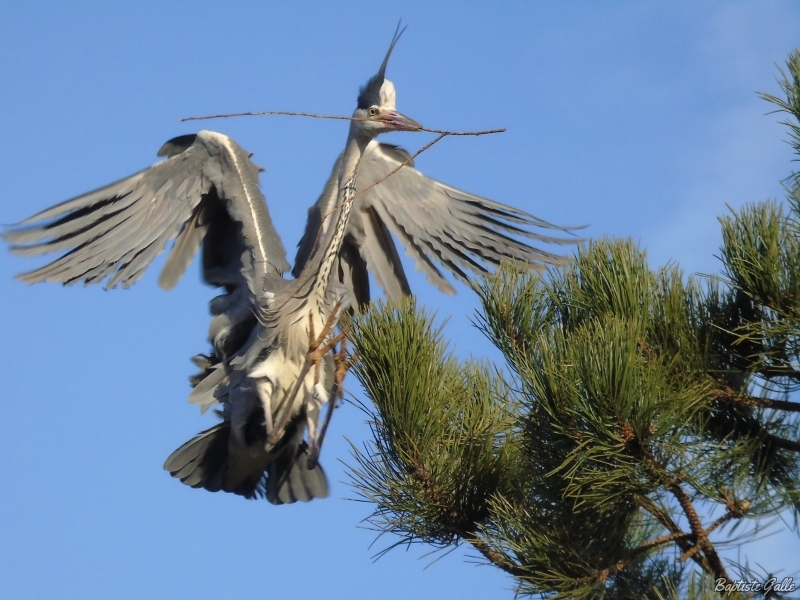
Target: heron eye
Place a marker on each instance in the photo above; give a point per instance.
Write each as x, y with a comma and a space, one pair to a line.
373, 111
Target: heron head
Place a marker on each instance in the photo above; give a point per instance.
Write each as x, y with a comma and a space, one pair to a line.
377, 111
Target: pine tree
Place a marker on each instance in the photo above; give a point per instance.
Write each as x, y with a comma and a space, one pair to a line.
642, 418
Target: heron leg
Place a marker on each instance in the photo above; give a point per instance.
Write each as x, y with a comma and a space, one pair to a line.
343, 365
312, 420
316, 351
266, 402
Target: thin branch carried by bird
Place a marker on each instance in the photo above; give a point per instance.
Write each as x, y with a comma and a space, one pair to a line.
338, 117
441, 134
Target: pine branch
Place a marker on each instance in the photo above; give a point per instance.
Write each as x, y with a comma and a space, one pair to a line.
603, 575
495, 558
728, 395
701, 538
753, 428
731, 514
783, 443
426, 481
775, 372
682, 539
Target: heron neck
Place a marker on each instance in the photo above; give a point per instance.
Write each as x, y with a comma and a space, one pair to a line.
348, 172
353, 151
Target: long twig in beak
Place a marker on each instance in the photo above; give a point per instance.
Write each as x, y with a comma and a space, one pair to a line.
336, 117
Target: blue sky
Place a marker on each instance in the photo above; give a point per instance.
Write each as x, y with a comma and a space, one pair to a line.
638, 118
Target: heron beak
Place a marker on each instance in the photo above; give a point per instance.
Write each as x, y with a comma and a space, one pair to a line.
398, 121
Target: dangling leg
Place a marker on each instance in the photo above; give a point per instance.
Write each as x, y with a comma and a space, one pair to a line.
312, 421
316, 352
343, 365
265, 389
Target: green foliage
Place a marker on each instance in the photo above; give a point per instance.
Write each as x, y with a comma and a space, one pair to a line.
644, 417
439, 429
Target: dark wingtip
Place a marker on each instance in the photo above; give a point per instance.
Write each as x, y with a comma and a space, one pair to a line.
369, 94
177, 145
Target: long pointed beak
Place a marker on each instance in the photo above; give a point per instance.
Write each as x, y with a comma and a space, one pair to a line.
399, 121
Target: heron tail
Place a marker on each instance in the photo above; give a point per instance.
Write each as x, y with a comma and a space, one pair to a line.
210, 461
290, 480
204, 462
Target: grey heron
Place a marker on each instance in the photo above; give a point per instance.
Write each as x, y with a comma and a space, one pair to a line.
205, 194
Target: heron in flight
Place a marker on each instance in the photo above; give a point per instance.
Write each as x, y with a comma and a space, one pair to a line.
205, 194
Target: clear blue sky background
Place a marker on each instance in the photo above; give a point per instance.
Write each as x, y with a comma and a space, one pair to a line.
638, 118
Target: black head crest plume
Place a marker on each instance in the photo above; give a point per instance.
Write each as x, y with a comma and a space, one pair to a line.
369, 95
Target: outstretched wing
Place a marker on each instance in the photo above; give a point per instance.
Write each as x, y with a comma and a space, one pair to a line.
436, 223
205, 191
